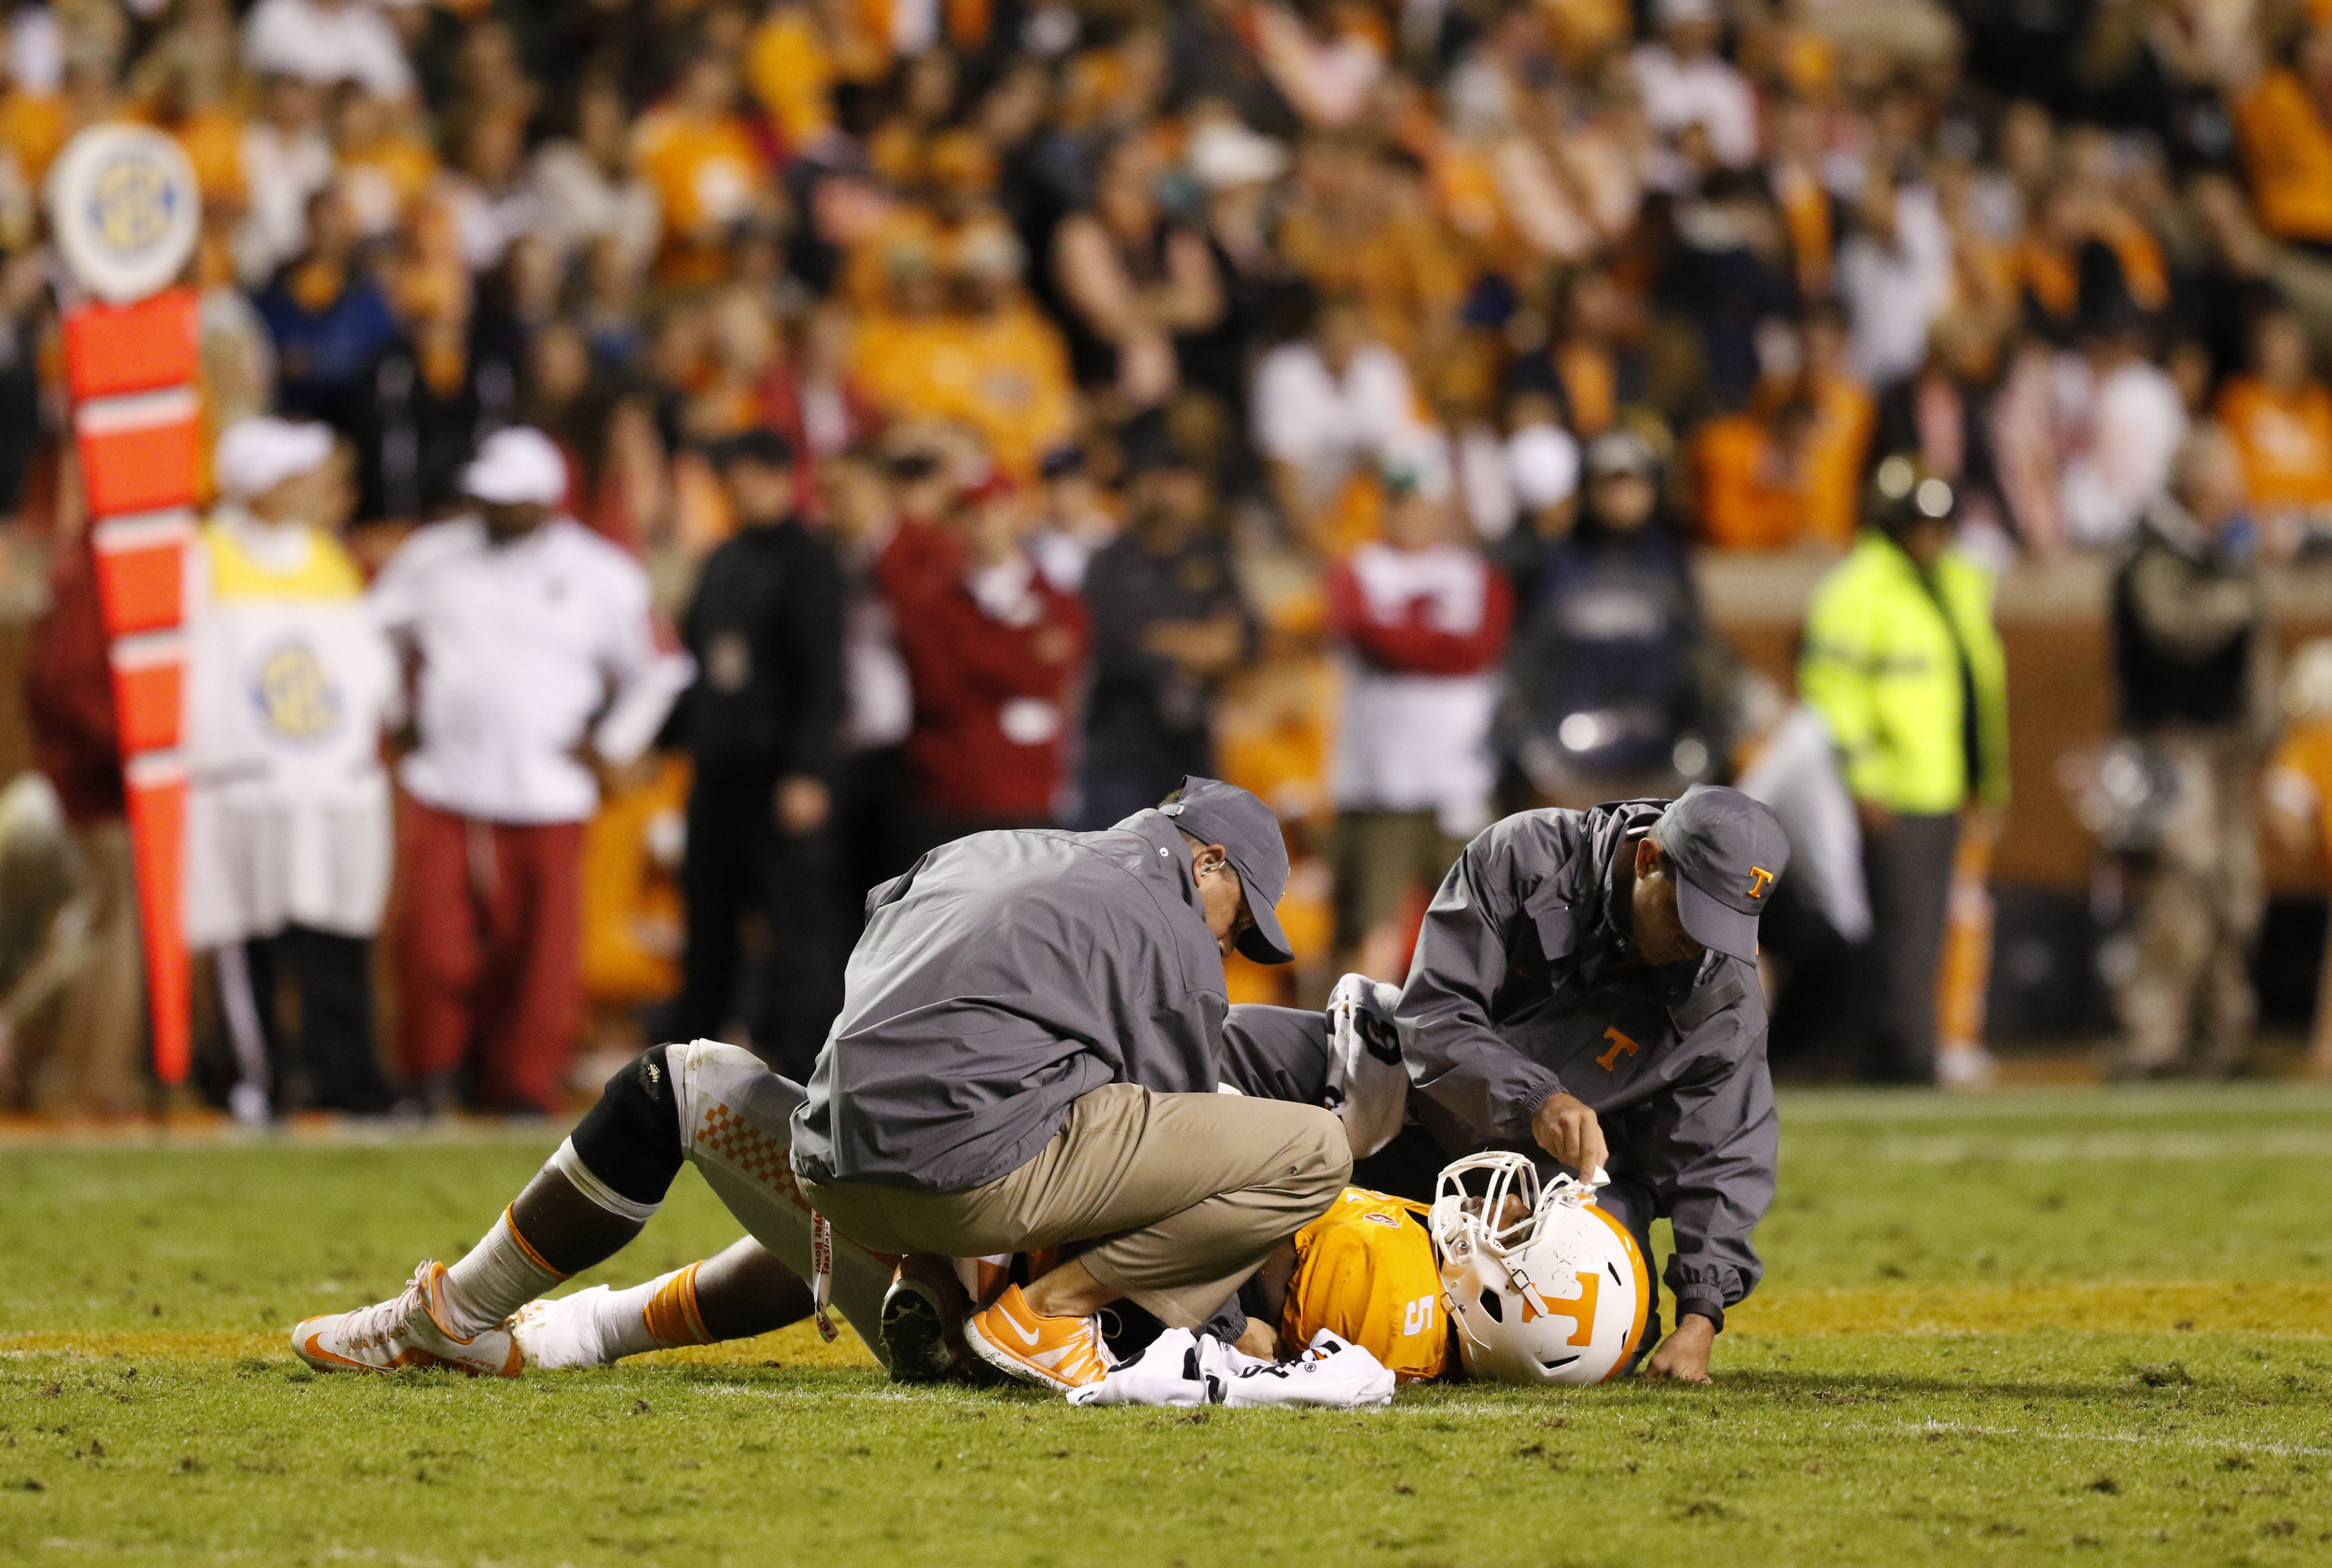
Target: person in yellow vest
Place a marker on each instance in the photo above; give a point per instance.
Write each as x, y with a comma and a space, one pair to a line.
287, 811
1905, 665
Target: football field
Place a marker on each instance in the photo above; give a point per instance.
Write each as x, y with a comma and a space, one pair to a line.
2040, 1327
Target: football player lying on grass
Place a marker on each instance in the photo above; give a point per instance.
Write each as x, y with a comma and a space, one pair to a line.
720, 1109
1532, 1299
1553, 1292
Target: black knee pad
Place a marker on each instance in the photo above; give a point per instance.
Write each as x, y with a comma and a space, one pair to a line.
631, 1139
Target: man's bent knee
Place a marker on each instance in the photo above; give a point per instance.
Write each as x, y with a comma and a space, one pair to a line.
631, 1138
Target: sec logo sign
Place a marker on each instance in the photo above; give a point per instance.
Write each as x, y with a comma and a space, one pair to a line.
123, 205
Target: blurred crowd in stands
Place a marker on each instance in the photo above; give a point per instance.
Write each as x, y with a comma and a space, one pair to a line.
947, 414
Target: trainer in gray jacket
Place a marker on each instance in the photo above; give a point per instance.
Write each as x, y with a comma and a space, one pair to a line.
1586, 981
1027, 1057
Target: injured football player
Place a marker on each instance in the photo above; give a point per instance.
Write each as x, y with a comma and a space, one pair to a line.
1553, 1291
718, 1108
1522, 1294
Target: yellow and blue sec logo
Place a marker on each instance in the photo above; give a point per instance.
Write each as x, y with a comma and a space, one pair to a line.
129, 200
123, 202
294, 695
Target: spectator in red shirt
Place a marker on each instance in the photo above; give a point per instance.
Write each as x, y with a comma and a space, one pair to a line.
994, 653
79, 1052
1423, 619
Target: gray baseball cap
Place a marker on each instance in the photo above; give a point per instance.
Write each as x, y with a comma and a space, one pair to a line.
1728, 851
1215, 812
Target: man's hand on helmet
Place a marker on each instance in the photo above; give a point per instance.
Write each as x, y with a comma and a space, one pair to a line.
1566, 1129
1683, 1355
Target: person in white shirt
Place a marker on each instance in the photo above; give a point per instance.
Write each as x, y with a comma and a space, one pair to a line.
538, 664
1422, 620
1328, 407
1686, 82
285, 161
1894, 276
2126, 420
288, 679
585, 186
327, 42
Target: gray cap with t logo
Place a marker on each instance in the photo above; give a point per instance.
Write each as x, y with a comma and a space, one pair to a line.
1728, 851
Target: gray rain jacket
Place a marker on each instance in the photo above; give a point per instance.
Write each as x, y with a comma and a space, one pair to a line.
1523, 987
1004, 977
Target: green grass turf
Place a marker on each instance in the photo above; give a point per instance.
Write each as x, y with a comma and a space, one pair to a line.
2031, 1399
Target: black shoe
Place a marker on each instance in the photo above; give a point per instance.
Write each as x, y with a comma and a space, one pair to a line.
914, 1332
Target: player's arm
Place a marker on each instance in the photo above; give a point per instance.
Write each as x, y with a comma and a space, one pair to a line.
1453, 1052
1267, 1292
1711, 1158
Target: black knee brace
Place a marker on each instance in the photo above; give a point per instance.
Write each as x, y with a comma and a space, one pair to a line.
631, 1139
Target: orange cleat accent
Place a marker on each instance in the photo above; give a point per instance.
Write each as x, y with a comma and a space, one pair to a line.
404, 1331
1020, 1342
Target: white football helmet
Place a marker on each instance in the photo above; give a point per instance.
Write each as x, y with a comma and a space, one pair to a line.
1543, 1287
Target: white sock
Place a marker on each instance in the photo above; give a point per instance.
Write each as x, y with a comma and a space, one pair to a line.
500, 1274
628, 1321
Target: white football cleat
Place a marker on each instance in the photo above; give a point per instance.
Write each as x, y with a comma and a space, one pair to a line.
552, 1335
404, 1331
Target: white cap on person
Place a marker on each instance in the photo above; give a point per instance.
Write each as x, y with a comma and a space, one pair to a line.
255, 455
517, 466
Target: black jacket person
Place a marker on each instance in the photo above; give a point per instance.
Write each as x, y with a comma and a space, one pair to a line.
761, 723
1585, 983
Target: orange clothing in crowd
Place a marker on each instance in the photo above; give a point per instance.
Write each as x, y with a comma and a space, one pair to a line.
1832, 464
2301, 774
1405, 272
2288, 152
213, 140
1591, 382
1005, 375
2052, 272
383, 179
706, 173
2285, 441
790, 70
33, 128
1805, 204
1749, 500
631, 909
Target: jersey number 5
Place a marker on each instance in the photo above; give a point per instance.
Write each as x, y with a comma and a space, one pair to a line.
1417, 1318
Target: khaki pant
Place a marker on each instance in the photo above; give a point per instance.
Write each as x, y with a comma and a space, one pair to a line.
1185, 1193
2198, 904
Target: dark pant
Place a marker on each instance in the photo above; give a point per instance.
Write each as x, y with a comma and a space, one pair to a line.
1909, 868
329, 1062
869, 836
738, 862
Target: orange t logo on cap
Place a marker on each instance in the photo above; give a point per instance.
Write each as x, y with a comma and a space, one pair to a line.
1759, 880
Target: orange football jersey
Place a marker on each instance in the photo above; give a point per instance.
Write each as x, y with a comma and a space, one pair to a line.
1365, 1270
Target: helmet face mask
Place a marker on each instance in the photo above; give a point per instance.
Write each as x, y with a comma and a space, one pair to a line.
1542, 1286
